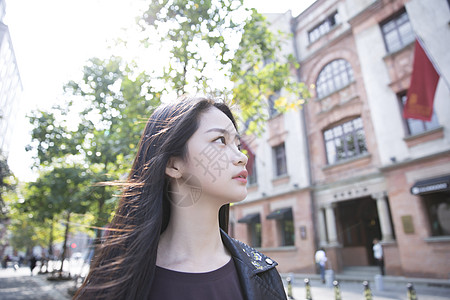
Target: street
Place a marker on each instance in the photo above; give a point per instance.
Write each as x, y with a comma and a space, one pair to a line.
20, 285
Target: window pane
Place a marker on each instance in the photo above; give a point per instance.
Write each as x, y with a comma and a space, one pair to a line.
333, 76
398, 32
357, 123
438, 205
288, 230
348, 127
328, 134
348, 140
255, 234
280, 160
403, 18
351, 147
361, 141
340, 148
252, 178
337, 131
389, 26
433, 123
406, 33
331, 152
416, 126
338, 82
392, 41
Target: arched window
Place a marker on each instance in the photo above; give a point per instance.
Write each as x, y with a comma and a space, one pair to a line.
333, 76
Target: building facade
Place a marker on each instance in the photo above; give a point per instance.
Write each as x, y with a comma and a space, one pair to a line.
10, 92
355, 168
10, 85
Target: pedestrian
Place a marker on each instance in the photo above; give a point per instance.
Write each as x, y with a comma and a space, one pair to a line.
5, 261
378, 255
33, 261
321, 259
168, 238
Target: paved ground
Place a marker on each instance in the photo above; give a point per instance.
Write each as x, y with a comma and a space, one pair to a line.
20, 285
355, 291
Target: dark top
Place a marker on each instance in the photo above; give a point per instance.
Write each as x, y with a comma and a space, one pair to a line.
220, 284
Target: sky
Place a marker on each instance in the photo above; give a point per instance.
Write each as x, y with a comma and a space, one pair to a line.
53, 39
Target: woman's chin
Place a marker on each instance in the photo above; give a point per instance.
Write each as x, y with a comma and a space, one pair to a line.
240, 197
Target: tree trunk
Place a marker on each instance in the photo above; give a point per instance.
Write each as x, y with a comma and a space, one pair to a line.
66, 236
50, 248
50, 240
99, 232
101, 203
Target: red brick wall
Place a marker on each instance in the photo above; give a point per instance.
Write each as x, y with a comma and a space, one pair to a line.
299, 258
417, 257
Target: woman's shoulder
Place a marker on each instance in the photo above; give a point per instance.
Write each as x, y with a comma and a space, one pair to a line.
253, 264
244, 252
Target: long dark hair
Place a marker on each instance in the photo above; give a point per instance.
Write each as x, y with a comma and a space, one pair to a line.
125, 264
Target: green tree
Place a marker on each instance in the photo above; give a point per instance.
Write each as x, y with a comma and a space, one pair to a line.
211, 39
110, 105
7, 185
200, 37
62, 191
117, 106
259, 74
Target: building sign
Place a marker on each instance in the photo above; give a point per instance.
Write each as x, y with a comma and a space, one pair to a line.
431, 186
417, 190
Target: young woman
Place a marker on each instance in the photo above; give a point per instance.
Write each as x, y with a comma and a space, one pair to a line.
168, 239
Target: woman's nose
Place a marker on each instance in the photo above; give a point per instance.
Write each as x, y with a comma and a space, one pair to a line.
239, 158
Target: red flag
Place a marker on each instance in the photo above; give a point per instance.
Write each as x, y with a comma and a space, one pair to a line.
424, 80
250, 155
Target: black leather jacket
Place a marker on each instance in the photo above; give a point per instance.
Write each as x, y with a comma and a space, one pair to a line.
257, 274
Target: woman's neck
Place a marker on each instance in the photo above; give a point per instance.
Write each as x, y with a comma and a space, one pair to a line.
192, 240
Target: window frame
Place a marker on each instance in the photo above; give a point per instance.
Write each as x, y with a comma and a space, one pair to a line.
334, 76
401, 37
280, 160
255, 234
321, 29
252, 178
341, 133
287, 237
432, 202
409, 124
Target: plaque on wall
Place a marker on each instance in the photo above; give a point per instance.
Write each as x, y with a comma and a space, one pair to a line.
303, 232
408, 225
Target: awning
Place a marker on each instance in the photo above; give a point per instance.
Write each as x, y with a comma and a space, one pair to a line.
281, 214
250, 218
432, 185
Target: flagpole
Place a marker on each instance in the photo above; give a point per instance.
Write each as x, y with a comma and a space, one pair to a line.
432, 60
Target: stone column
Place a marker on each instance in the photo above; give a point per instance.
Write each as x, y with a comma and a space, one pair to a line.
331, 225
322, 230
383, 216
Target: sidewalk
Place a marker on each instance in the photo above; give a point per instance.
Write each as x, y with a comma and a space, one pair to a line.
20, 285
351, 288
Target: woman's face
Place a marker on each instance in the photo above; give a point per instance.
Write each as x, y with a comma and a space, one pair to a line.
214, 160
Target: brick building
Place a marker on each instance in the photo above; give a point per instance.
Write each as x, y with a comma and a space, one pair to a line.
349, 168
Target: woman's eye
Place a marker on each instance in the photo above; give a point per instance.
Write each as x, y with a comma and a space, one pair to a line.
221, 139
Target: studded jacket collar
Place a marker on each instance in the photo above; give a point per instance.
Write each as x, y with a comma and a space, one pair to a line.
257, 273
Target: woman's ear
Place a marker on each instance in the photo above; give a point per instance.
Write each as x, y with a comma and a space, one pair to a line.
174, 167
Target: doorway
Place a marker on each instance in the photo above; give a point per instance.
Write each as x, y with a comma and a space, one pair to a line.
358, 225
